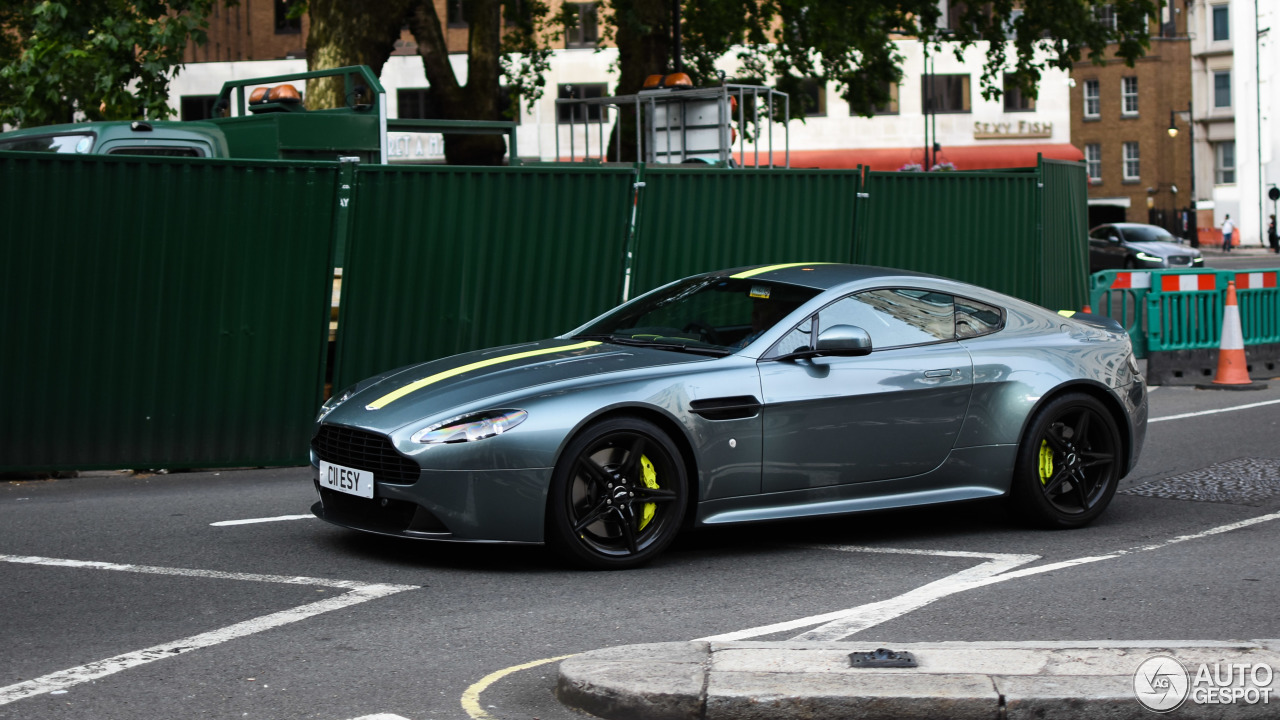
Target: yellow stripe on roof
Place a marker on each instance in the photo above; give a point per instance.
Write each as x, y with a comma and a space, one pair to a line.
771, 268
419, 384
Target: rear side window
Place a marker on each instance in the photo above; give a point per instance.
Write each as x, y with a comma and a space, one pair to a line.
975, 318
72, 144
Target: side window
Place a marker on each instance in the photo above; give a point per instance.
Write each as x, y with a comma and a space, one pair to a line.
795, 340
894, 318
975, 318
159, 151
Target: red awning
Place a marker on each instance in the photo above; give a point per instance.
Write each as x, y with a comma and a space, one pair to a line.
964, 157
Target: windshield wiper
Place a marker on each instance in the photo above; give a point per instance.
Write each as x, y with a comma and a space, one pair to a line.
656, 344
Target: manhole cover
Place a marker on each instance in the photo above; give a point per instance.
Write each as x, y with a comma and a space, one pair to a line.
1244, 481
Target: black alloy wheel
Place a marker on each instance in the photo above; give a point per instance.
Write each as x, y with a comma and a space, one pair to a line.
618, 495
1069, 464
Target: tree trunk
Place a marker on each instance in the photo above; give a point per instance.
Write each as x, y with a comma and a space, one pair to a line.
644, 49
349, 32
478, 99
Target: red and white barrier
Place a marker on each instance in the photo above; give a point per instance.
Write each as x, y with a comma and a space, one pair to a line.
1255, 280
1188, 283
1131, 281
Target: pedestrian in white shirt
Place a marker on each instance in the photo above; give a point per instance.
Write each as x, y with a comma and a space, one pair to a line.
1227, 229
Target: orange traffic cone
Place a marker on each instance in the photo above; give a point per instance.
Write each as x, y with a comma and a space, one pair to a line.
1087, 310
1233, 367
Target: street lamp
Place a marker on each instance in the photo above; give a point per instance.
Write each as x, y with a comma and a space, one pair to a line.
1191, 134
1173, 126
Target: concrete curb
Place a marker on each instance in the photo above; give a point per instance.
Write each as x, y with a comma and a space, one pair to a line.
954, 680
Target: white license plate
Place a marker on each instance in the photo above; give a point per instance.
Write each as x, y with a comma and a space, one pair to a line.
347, 480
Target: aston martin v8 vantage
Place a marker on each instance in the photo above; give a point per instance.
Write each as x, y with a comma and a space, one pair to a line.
747, 395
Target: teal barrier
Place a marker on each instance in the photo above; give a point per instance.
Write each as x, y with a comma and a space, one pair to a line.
1121, 296
1170, 310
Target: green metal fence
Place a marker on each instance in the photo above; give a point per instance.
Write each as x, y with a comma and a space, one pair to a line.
694, 220
442, 260
1019, 232
161, 312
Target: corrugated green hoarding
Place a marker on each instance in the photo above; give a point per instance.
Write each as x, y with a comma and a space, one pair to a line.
161, 312
696, 220
442, 260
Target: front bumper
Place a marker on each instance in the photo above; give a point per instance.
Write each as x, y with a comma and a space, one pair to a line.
506, 506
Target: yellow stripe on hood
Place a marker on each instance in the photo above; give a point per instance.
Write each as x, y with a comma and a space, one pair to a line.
419, 384
770, 268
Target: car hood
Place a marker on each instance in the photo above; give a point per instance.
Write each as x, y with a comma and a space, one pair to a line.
1162, 249
455, 383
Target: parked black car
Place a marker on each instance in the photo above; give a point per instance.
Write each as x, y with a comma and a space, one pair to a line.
1135, 245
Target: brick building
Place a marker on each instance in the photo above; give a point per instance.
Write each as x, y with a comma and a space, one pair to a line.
1120, 119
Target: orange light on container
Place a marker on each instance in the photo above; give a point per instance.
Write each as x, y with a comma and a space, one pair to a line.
653, 81
259, 95
678, 80
733, 105
284, 94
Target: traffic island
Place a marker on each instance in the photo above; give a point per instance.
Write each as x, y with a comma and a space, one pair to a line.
1045, 680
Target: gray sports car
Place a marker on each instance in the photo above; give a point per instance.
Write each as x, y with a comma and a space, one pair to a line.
747, 395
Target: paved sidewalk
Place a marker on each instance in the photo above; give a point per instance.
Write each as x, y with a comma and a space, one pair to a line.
954, 680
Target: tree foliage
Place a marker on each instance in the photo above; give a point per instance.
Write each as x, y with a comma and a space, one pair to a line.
107, 59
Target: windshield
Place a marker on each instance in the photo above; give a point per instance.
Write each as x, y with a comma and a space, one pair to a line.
1147, 233
75, 143
712, 315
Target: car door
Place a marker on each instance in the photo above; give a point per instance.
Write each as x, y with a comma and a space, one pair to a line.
893, 413
1103, 252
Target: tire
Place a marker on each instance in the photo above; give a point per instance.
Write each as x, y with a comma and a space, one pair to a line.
618, 495
1069, 463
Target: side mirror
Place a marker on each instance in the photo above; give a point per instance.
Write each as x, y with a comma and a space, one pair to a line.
844, 340
1114, 239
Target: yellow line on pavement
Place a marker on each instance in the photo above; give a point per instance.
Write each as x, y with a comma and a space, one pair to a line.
471, 698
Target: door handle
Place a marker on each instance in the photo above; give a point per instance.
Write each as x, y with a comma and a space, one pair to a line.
937, 373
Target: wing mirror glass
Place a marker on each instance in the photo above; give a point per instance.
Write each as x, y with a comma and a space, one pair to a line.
846, 340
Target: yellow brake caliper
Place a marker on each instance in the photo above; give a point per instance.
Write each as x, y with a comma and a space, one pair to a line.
1046, 462
650, 477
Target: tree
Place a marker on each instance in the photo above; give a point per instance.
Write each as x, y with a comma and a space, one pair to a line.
107, 59
349, 32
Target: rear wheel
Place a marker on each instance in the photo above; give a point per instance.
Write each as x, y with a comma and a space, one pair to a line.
618, 495
1069, 463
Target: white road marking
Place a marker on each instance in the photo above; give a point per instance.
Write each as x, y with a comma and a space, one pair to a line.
358, 593
250, 521
875, 613
381, 716
843, 623
1183, 416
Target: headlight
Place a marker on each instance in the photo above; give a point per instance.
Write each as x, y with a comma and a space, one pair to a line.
468, 428
1197, 261
332, 403
1149, 258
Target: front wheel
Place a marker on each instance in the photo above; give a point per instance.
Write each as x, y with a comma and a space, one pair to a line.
618, 495
1069, 463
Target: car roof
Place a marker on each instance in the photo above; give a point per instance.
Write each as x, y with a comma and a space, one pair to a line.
816, 275
115, 129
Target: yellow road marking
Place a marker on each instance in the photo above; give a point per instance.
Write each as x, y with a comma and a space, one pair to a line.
419, 384
471, 698
770, 268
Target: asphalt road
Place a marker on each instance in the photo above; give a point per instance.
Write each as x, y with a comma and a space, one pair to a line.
293, 618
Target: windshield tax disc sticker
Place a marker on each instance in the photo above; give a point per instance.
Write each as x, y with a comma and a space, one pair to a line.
760, 291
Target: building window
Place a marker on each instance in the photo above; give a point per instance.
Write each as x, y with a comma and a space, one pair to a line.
584, 33
1221, 22
813, 93
1222, 89
891, 106
1129, 96
1132, 170
1092, 99
286, 25
566, 114
1014, 99
1106, 16
1093, 162
453, 14
1224, 164
196, 107
945, 93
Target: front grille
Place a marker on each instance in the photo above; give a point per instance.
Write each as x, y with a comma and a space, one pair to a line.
364, 450
1179, 259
